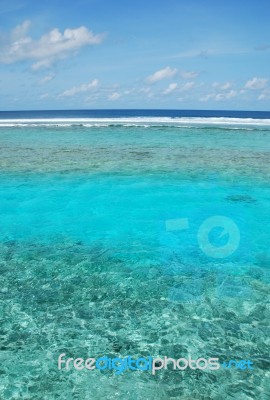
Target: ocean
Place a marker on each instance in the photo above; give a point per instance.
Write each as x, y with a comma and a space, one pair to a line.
141, 233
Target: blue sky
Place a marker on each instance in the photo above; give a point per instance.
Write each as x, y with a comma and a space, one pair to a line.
180, 54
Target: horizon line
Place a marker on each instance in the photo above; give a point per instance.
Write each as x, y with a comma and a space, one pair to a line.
133, 109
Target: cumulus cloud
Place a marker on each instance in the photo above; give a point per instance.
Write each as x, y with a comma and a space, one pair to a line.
256, 83
219, 96
264, 95
18, 45
42, 64
187, 86
164, 73
46, 79
225, 96
145, 90
114, 96
79, 89
189, 74
222, 86
170, 88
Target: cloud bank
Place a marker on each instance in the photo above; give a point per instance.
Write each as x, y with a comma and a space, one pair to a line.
171, 88
18, 45
256, 83
162, 74
79, 89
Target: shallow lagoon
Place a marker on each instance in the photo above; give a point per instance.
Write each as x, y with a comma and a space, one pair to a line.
91, 266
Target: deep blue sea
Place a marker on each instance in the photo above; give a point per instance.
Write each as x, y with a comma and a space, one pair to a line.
134, 233
133, 113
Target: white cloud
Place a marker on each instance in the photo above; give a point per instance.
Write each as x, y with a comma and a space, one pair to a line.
187, 86
222, 86
78, 89
226, 86
264, 95
46, 79
206, 97
256, 83
189, 74
219, 96
164, 73
206, 53
53, 45
170, 88
145, 90
41, 64
114, 96
225, 96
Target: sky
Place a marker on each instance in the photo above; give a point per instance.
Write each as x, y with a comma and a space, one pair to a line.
173, 54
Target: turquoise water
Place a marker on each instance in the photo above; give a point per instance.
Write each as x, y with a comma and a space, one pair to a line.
102, 254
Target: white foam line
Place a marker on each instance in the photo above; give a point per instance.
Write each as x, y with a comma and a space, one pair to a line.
136, 121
